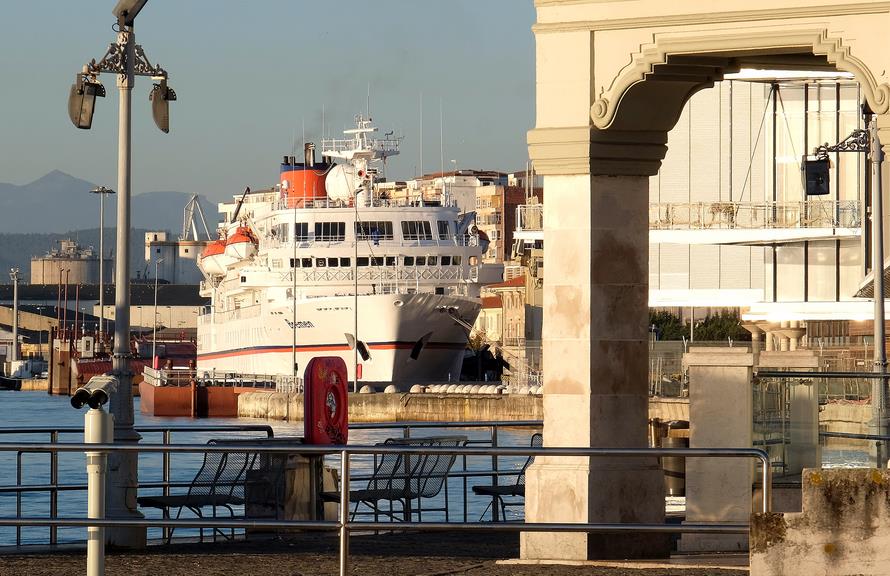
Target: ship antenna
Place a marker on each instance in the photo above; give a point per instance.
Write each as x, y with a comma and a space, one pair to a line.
421, 133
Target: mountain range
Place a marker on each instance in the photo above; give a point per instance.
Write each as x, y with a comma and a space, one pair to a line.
34, 217
59, 202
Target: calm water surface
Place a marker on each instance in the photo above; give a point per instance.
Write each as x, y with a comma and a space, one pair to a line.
38, 409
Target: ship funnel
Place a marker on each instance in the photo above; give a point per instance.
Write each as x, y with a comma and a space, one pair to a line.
309, 154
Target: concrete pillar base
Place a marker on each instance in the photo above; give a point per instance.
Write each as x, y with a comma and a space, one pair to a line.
616, 491
713, 542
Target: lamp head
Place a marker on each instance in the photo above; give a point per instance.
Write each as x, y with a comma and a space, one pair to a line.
126, 11
160, 97
82, 100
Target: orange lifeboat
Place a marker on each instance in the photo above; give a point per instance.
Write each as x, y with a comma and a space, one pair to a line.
242, 244
212, 257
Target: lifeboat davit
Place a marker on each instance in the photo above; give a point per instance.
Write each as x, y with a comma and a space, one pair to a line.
242, 244
213, 257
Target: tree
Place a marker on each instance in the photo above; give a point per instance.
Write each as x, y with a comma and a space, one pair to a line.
667, 326
720, 326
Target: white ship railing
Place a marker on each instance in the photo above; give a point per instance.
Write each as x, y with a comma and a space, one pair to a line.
754, 215
380, 200
451, 241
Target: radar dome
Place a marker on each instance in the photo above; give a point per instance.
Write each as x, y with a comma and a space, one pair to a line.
341, 182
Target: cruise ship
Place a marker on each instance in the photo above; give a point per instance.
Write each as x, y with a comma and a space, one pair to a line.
326, 263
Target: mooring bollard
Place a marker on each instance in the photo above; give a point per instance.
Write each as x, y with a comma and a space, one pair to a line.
98, 428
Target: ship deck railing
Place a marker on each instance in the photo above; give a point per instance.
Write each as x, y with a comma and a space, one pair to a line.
435, 241
378, 201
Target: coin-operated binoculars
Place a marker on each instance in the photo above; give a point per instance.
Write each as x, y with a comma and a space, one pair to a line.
98, 428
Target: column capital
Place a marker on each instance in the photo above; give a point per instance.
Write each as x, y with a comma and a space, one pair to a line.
588, 150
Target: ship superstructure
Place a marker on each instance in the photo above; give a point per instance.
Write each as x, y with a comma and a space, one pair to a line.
324, 263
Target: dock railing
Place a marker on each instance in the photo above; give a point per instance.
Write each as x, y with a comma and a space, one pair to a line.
345, 454
344, 526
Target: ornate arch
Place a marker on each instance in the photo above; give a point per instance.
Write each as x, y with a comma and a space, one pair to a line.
691, 60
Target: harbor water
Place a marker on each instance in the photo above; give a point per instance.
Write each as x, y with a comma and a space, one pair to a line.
39, 410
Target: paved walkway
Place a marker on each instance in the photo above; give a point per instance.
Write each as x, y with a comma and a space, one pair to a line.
437, 554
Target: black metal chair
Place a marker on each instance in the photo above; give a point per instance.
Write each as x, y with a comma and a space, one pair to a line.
499, 492
220, 483
402, 478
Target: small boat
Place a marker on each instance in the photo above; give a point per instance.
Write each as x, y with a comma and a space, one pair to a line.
213, 259
7, 383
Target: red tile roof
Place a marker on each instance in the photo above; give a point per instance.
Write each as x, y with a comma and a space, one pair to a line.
491, 302
517, 282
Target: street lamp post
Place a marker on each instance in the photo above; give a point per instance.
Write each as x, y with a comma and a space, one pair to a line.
40, 332
867, 141
102, 191
14, 276
154, 317
127, 60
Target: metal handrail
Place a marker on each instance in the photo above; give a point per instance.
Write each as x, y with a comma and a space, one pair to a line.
344, 526
54, 433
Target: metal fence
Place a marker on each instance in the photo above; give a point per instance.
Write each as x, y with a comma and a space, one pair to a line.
344, 454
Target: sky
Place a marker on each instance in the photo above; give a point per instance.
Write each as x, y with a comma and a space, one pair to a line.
252, 75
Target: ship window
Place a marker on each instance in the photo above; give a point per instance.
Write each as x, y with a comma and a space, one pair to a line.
301, 232
421, 260
409, 260
294, 263
443, 229
157, 250
376, 261
307, 262
244, 278
390, 260
377, 230
345, 263
416, 230
455, 260
320, 263
440, 290
361, 261
276, 263
431, 260
446, 260
330, 231
186, 250
333, 262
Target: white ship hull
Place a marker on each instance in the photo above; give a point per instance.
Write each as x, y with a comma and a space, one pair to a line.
262, 341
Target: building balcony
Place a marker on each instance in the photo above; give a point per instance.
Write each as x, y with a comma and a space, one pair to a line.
753, 222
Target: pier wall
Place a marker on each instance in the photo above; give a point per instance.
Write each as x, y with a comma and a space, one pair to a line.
400, 407
844, 528
456, 407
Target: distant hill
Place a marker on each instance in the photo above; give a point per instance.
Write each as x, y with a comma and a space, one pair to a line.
16, 250
58, 202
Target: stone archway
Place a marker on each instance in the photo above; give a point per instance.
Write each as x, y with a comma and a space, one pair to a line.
612, 79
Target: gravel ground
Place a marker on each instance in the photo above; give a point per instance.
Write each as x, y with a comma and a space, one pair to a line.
304, 555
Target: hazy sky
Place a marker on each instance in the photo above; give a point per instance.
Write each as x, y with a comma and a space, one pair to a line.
250, 74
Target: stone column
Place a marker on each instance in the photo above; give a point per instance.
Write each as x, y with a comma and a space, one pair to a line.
803, 450
595, 340
720, 416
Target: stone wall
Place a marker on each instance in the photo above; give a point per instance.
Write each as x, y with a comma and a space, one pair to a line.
400, 407
844, 528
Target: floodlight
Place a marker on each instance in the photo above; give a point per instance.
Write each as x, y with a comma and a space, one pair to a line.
816, 176
160, 97
82, 100
126, 10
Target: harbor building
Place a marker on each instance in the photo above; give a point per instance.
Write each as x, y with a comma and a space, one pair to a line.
176, 259
69, 262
